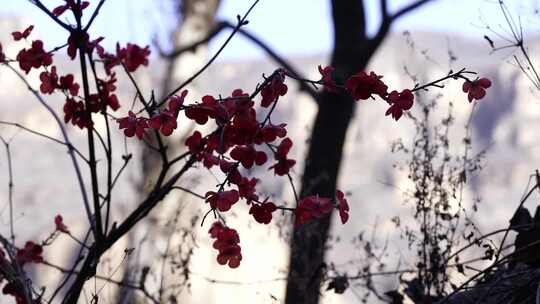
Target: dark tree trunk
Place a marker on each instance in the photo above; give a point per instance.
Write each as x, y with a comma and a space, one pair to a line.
351, 54
325, 151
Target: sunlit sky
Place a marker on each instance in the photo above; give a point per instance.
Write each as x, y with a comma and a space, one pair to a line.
291, 27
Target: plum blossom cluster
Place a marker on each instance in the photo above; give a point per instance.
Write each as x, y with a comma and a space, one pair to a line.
243, 138
34, 56
31, 253
59, 223
165, 121
314, 206
226, 243
263, 212
77, 109
363, 86
72, 5
476, 89
241, 141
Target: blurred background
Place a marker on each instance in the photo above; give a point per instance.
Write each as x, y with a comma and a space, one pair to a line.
422, 45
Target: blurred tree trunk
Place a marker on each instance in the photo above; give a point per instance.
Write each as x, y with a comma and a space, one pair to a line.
196, 20
352, 51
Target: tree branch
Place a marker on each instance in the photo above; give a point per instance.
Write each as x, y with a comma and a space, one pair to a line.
192, 47
279, 59
94, 15
241, 22
388, 19
66, 140
50, 14
257, 41
409, 8
95, 252
22, 127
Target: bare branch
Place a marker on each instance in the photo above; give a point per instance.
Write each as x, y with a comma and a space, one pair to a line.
409, 8
50, 14
241, 22
10, 188
388, 19
18, 125
192, 47
66, 140
280, 60
94, 15
257, 41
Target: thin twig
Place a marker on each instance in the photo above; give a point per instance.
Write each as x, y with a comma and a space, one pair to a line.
14, 124
10, 189
66, 140
241, 22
